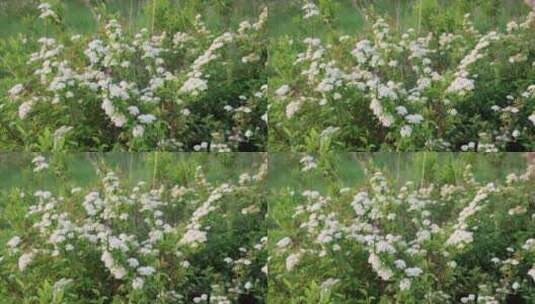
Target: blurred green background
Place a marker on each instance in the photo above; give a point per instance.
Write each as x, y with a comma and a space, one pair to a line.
80, 169
79, 15
347, 16
285, 16
354, 169
344, 169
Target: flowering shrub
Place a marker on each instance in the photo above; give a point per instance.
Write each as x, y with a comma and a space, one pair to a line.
182, 91
192, 242
390, 90
467, 242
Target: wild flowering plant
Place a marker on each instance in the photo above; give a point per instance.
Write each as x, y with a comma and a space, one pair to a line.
182, 91
422, 243
196, 242
384, 89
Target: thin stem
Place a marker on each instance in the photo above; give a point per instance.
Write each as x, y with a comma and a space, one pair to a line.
398, 16
155, 168
398, 169
131, 18
423, 169
420, 8
452, 165
130, 165
153, 14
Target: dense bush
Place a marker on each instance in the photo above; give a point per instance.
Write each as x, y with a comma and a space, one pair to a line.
193, 241
424, 242
387, 89
155, 89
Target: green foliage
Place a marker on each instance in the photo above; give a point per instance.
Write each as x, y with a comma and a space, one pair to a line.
340, 228
444, 87
165, 15
156, 215
437, 18
158, 74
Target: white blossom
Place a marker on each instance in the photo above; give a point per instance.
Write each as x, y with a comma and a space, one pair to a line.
414, 118
532, 118
282, 91
138, 283
25, 108
284, 242
292, 108
14, 242
138, 131
406, 131
413, 271
146, 271
25, 260
405, 284
292, 260
16, 90
146, 118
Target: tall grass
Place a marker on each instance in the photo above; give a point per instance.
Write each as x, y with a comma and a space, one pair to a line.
349, 14
78, 16
135, 14
16, 171
352, 168
284, 15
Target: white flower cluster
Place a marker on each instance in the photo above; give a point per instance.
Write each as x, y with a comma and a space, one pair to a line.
405, 82
310, 9
460, 237
308, 162
39, 163
135, 232
195, 84
76, 85
47, 12
399, 231
462, 84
